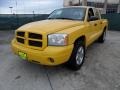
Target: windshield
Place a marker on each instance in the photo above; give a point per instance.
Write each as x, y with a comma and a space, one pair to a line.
68, 13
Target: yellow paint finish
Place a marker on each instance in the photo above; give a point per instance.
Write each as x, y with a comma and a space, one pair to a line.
60, 54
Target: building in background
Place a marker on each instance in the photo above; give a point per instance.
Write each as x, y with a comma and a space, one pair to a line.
106, 6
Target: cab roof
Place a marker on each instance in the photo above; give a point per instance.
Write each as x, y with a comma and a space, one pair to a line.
79, 7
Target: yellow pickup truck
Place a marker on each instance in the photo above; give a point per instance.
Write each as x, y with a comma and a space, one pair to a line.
62, 38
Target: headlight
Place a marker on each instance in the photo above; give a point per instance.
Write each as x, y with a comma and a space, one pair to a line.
57, 39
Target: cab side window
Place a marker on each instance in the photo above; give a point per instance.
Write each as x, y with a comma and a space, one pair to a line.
97, 14
90, 13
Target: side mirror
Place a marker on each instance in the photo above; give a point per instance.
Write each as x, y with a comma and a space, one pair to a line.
93, 18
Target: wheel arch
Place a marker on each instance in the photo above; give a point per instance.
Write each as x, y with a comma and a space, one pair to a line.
105, 28
83, 38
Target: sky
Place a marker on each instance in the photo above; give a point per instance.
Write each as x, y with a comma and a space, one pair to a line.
38, 6
28, 6
109, 1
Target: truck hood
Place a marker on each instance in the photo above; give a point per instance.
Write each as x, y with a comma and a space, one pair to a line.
49, 26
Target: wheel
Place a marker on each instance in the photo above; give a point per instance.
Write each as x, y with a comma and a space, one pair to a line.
77, 57
102, 38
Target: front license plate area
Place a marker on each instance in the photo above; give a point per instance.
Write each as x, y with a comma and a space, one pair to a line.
22, 55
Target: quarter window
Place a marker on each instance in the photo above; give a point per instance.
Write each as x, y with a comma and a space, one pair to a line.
97, 14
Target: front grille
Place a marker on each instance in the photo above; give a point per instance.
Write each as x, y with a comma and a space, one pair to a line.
35, 36
29, 39
35, 43
22, 34
20, 40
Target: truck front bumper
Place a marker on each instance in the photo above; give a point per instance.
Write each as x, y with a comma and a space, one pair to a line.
51, 55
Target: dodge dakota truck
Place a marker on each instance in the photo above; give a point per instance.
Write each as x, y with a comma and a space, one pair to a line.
62, 38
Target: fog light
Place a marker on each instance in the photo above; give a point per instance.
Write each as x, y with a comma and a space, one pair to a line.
51, 60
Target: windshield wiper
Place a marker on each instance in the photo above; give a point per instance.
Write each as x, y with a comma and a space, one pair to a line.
62, 18
65, 18
51, 18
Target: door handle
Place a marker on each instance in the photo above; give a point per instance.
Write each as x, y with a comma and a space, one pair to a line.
95, 24
100, 22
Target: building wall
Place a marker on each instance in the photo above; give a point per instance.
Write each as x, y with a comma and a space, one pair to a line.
112, 5
66, 2
69, 2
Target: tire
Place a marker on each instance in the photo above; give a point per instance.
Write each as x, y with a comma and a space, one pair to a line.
102, 38
77, 57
